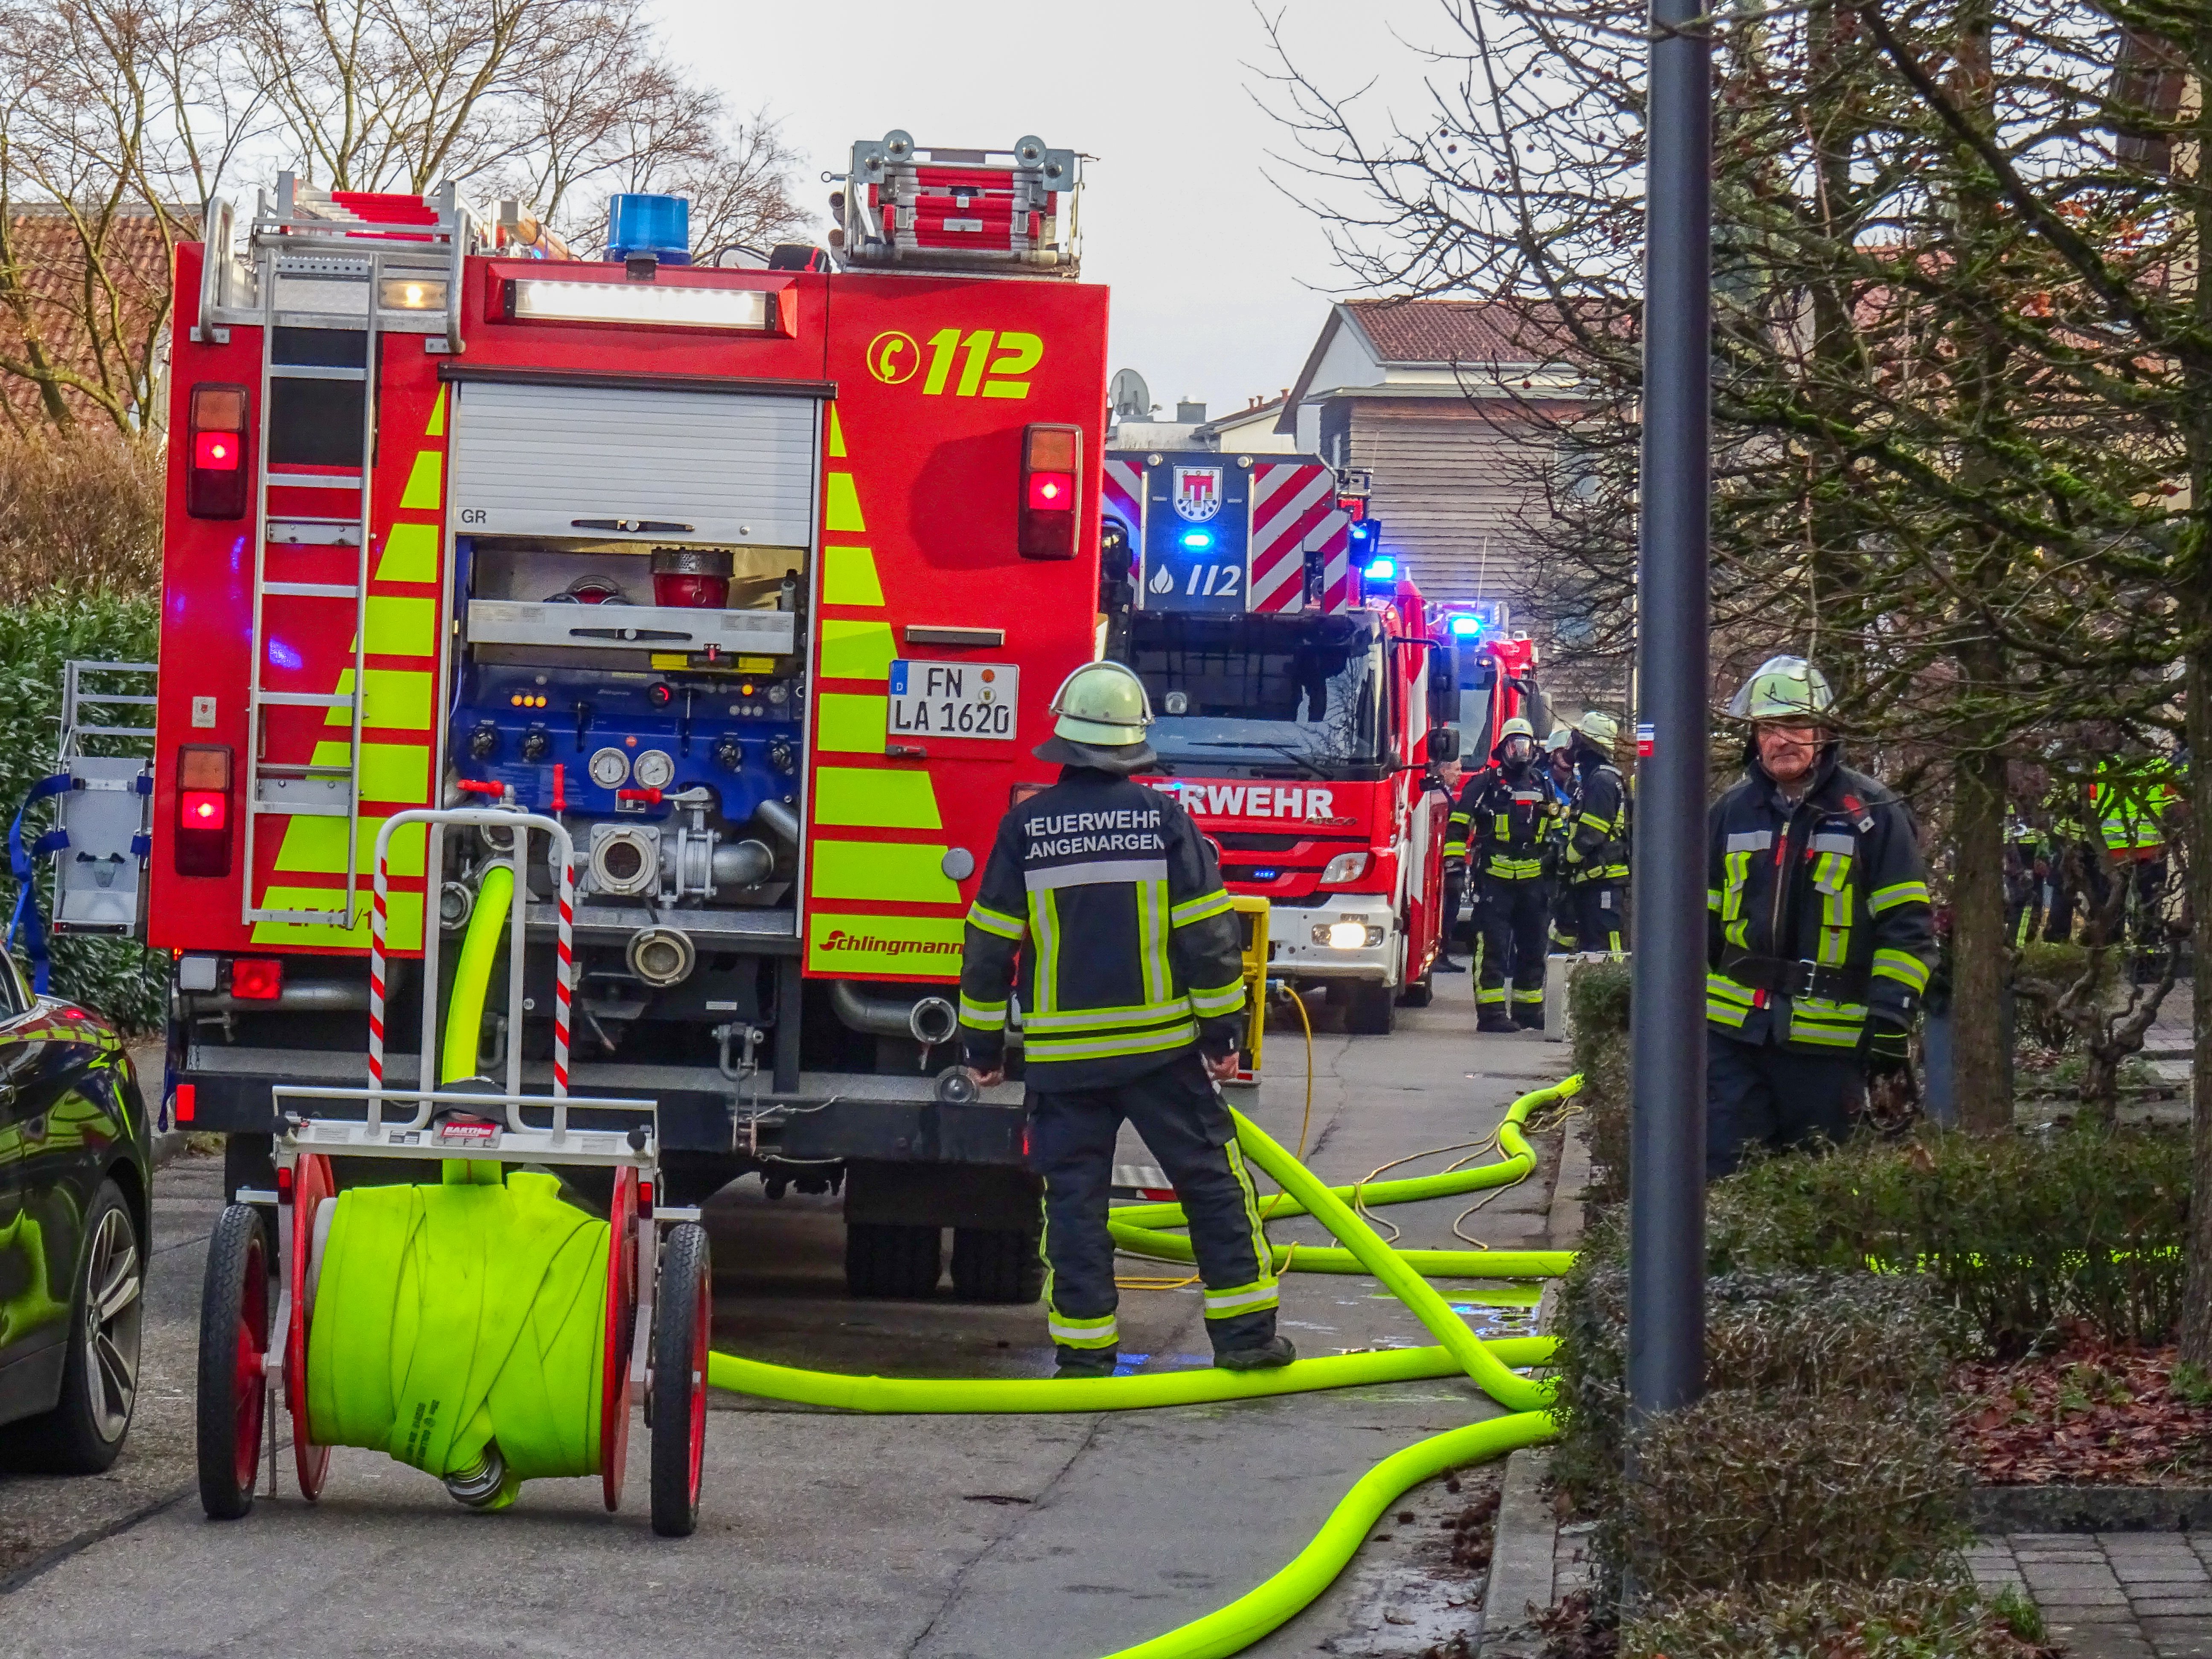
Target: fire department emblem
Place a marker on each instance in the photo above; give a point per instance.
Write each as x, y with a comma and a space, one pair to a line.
1198, 492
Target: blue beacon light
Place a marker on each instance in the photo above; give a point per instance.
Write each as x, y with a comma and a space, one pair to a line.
1382, 570
1198, 538
1465, 627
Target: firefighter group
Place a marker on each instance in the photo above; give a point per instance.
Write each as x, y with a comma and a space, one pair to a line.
1538, 846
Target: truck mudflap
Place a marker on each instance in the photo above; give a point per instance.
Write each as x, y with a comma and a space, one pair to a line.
830, 1116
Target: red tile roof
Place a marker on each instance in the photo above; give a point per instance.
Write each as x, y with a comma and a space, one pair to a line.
1424, 330
50, 256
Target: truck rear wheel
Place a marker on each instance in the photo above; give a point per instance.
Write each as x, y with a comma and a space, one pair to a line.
997, 1264
893, 1261
1373, 1011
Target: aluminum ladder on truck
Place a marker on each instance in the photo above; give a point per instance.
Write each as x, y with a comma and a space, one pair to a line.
102, 830
320, 265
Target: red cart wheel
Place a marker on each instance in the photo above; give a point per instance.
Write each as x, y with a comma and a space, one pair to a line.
683, 1330
622, 1328
312, 1187
234, 1337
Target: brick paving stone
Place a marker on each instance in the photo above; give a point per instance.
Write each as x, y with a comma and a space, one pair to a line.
2134, 1571
2169, 1607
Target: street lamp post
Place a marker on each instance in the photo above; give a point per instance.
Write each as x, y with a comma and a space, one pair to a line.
1666, 1194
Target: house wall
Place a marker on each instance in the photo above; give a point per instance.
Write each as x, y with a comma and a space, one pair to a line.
1451, 484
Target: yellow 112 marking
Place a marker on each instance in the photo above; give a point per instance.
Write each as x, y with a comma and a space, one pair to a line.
1017, 354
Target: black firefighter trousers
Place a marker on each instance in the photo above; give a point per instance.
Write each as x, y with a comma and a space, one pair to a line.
1761, 1094
1181, 1116
1515, 915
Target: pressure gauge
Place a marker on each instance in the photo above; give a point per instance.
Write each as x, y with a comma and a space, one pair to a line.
609, 768
654, 770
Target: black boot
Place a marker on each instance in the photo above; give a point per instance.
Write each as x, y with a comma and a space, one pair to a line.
1529, 1016
1490, 1017
1444, 964
1085, 1362
1275, 1350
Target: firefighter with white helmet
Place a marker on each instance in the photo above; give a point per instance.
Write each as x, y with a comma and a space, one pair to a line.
1821, 936
1595, 861
1504, 814
1102, 906
1559, 773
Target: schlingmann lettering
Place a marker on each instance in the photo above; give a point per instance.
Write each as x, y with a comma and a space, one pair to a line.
839, 939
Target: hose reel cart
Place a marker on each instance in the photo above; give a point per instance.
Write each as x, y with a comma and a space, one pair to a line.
488, 1346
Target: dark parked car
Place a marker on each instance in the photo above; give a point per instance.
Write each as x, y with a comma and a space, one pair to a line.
76, 1179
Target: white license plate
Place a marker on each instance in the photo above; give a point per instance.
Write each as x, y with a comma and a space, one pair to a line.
953, 699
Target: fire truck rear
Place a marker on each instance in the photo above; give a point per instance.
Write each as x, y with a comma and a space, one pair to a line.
760, 580
1289, 672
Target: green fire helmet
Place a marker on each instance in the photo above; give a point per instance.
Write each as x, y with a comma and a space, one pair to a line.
1562, 737
1784, 688
1600, 729
1101, 714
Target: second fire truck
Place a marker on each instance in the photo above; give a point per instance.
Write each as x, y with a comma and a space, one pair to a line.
1289, 677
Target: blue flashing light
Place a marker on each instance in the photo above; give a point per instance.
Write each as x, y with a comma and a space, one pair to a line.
1382, 570
1465, 627
655, 224
1198, 538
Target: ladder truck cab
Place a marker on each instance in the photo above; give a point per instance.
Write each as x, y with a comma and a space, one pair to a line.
757, 582
1293, 710
1488, 675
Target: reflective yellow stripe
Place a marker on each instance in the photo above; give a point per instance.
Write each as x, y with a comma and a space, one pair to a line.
1723, 1013
1197, 909
1152, 941
983, 1016
1225, 1001
1262, 1258
1712, 898
1044, 929
1244, 1299
852, 723
1516, 869
884, 797
1904, 892
1071, 1333
1148, 1043
1109, 1019
995, 921
1728, 990
856, 650
881, 870
1907, 969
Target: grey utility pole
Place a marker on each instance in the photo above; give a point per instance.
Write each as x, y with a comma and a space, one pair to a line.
1667, 1194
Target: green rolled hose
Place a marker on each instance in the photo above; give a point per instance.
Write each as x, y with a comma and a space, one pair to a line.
448, 1317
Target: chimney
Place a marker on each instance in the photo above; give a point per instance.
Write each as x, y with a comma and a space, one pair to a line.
1188, 413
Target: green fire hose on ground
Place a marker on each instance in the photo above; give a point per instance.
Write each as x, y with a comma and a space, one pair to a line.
1491, 1364
466, 1318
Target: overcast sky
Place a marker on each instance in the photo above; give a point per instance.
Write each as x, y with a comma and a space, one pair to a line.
1219, 284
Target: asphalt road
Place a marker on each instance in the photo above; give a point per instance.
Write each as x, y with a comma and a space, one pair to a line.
1036, 1537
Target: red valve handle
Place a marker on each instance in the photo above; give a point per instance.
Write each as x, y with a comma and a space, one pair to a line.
650, 797
482, 786
560, 796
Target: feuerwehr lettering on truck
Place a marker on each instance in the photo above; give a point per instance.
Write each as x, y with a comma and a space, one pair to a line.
1251, 800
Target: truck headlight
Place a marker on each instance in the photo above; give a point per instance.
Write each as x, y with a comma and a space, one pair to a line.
1345, 866
1347, 935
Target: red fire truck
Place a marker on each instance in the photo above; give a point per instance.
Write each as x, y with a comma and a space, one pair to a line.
1295, 715
759, 581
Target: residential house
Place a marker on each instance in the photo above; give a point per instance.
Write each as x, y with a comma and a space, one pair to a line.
1445, 404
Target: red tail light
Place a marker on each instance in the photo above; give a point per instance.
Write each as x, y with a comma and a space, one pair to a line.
204, 810
256, 979
1051, 464
187, 1102
215, 470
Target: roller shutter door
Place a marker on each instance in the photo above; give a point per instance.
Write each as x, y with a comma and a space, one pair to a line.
564, 460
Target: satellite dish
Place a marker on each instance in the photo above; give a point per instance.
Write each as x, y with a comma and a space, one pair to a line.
1131, 398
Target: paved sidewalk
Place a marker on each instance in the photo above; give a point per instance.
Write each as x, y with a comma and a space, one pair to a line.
2110, 1594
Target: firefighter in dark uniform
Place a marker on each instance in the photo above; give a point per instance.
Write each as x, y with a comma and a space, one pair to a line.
1504, 814
1596, 856
1131, 981
1559, 773
1821, 936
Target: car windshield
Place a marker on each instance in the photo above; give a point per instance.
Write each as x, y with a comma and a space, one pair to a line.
1265, 692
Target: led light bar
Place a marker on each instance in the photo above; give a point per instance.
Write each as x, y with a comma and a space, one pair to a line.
540, 300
